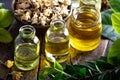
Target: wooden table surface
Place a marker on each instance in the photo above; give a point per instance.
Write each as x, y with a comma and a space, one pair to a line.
76, 57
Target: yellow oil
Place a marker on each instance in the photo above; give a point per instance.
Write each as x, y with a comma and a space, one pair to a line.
56, 48
85, 36
26, 56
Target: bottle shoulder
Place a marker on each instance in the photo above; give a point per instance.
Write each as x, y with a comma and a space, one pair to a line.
21, 40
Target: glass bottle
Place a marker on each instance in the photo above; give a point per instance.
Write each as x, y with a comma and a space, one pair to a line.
27, 47
85, 28
93, 3
57, 41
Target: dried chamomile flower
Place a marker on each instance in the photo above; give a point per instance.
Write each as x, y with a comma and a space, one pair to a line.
26, 16
41, 12
35, 4
47, 12
56, 16
55, 2
39, 1
19, 12
24, 5
47, 2
57, 10
42, 19
61, 1
35, 18
16, 75
67, 2
9, 63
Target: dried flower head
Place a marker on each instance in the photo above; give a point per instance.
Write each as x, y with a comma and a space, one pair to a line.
41, 12
9, 63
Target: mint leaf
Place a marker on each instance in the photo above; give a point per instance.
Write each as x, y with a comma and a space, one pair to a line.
114, 53
107, 30
83, 72
58, 66
5, 36
5, 18
115, 5
116, 22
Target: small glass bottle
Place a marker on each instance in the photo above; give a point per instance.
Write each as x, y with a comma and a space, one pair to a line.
27, 47
93, 3
85, 28
57, 41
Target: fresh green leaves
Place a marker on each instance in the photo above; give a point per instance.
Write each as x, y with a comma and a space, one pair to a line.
5, 37
5, 21
107, 30
5, 18
106, 17
97, 70
111, 20
116, 22
58, 66
114, 53
115, 5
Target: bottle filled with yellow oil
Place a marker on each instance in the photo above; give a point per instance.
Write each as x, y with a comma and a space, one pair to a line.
85, 28
27, 47
57, 41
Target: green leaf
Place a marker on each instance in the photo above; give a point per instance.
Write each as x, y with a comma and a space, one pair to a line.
75, 69
58, 66
5, 36
110, 33
115, 5
82, 72
104, 65
114, 53
106, 17
91, 65
107, 30
70, 69
1, 5
116, 22
58, 76
5, 18
103, 59
105, 76
48, 70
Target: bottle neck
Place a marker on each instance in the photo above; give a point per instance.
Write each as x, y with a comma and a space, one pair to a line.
86, 16
57, 25
27, 31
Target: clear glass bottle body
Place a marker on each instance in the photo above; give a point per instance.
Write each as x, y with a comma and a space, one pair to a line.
93, 3
57, 41
27, 47
85, 28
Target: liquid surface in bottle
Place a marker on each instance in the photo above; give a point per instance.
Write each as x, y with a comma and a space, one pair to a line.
57, 48
26, 56
83, 35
